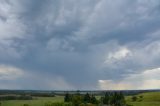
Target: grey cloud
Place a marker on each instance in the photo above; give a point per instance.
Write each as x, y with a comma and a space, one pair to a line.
72, 39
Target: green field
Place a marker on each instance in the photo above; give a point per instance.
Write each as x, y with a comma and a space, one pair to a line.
40, 101
143, 99
148, 99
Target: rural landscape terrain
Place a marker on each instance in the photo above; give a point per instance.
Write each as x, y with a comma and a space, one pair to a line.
80, 98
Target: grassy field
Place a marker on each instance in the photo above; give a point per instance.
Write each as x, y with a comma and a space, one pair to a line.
145, 99
40, 101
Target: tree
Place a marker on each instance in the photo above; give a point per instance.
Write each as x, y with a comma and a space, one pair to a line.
117, 99
93, 99
106, 98
121, 99
67, 98
113, 98
76, 100
87, 98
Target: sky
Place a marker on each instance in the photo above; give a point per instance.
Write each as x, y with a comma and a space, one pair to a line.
79, 44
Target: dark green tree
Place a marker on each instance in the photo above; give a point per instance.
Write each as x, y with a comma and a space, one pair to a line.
93, 100
67, 97
118, 99
87, 98
106, 98
77, 100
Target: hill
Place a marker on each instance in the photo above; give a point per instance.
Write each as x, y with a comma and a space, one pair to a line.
144, 99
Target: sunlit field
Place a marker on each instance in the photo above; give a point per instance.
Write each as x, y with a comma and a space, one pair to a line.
145, 99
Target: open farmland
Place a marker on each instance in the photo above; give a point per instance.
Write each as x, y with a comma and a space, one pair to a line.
38, 101
145, 99
140, 99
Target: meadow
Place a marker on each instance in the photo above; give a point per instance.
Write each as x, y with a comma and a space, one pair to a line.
37, 101
142, 99
145, 99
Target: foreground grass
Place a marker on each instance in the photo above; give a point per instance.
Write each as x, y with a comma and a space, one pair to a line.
148, 99
40, 101
144, 103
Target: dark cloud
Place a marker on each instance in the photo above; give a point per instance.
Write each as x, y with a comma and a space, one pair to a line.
77, 43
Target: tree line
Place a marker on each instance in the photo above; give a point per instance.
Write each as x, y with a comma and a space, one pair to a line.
109, 99
15, 97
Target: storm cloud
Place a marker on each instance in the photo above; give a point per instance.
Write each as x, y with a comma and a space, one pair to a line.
78, 44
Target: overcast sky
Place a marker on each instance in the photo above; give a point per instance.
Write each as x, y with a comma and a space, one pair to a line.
79, 44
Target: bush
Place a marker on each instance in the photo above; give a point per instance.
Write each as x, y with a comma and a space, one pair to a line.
134, 98
25, 105
141, 96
